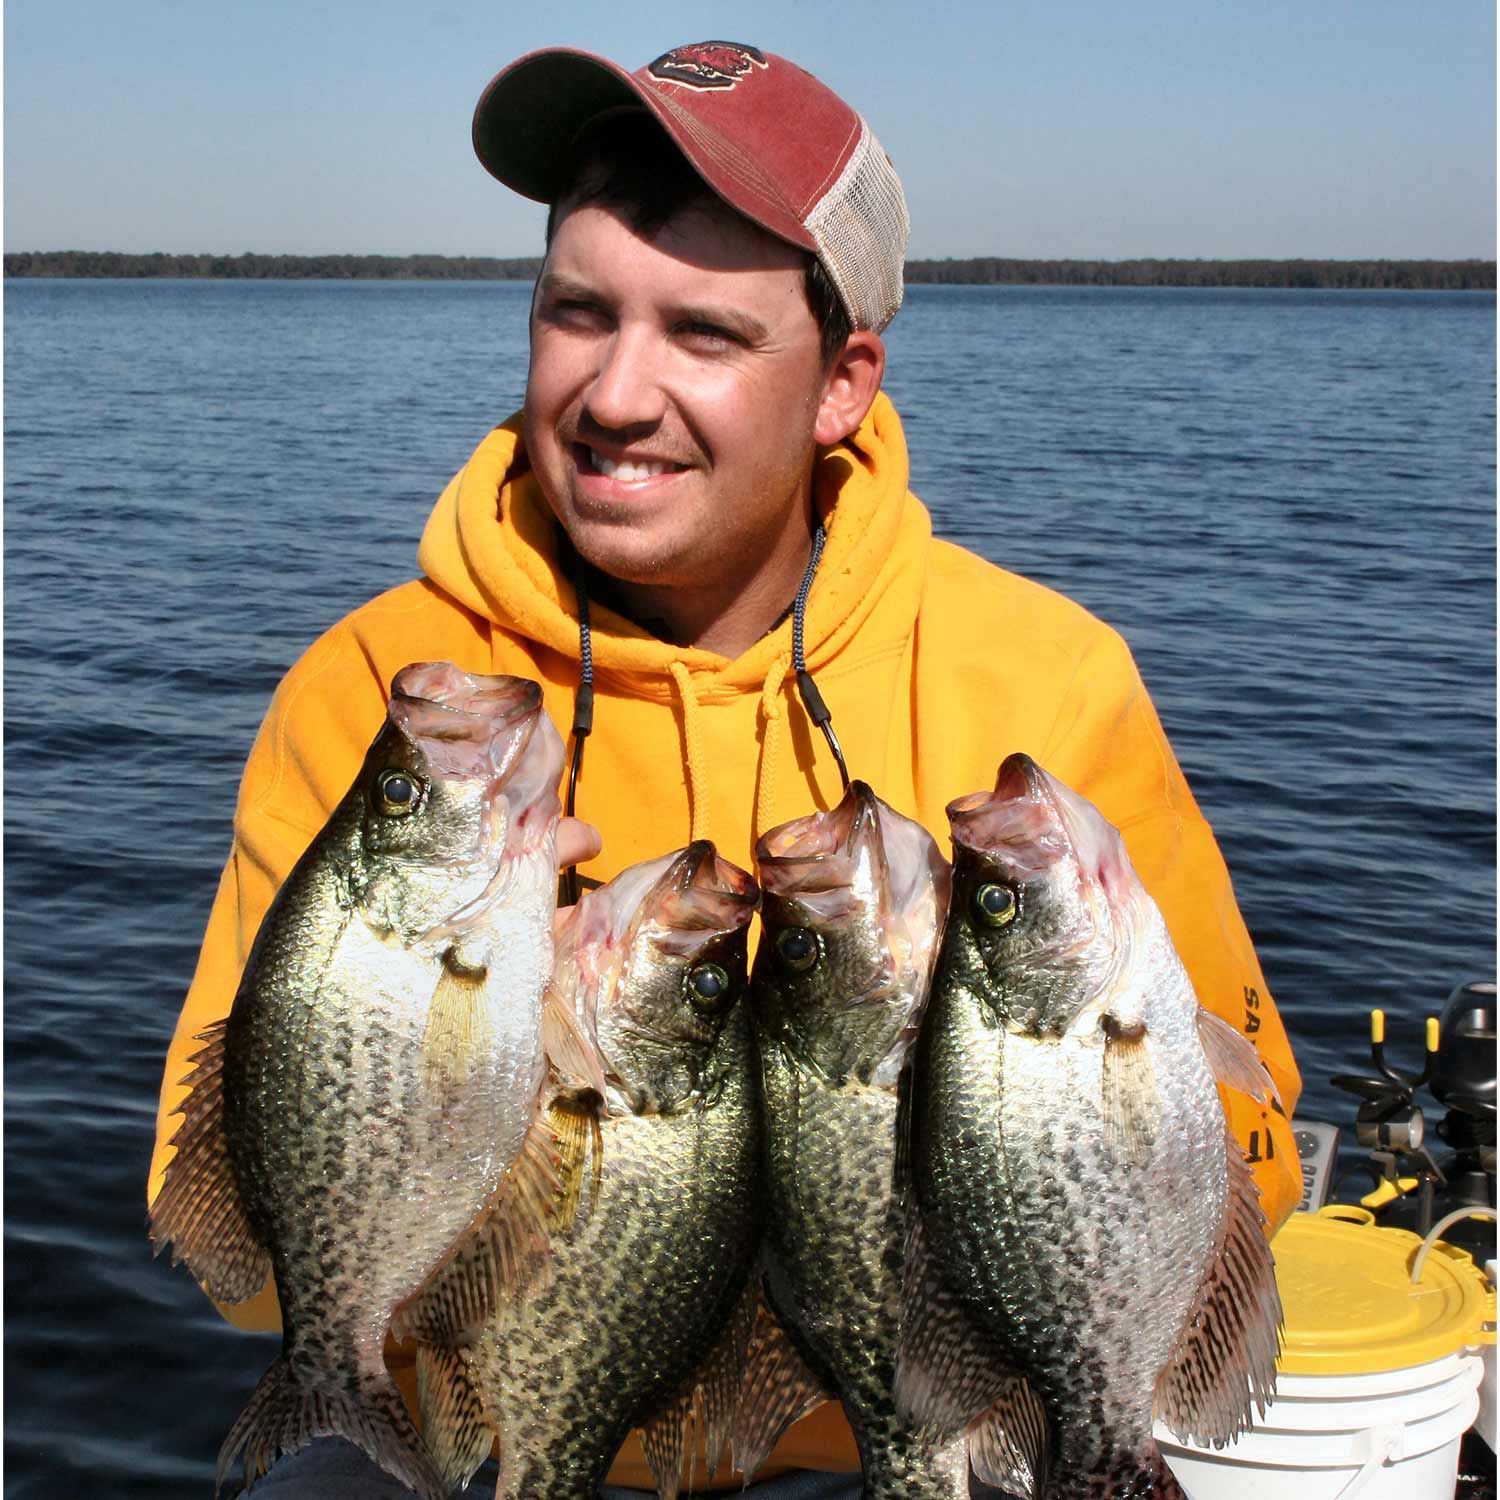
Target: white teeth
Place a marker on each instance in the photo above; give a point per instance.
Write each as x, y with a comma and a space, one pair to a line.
627, 471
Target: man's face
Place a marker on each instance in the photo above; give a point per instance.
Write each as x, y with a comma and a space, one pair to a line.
674, 386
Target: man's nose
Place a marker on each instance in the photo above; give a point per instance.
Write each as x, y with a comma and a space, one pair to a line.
626, 390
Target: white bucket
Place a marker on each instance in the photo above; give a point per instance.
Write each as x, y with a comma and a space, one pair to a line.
1393, 1435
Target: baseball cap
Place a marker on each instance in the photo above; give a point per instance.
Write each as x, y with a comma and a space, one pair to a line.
773, 142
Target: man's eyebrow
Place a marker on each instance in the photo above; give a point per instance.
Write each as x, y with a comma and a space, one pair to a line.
562, 286
743, 325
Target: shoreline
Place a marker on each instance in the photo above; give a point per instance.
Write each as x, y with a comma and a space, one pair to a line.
1365, 274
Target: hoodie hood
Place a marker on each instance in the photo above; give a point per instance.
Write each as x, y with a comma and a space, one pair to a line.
492, 543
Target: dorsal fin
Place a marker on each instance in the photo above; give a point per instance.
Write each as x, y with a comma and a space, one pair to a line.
946, 1372
455, 1427
198, 1208
1225, 1360
695, 1424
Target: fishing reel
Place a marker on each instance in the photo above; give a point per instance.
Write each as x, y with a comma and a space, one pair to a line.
1412, 1189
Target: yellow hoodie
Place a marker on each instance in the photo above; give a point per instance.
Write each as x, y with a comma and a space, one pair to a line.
934, 663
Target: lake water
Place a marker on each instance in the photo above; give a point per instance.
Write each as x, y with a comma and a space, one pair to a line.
1285, 500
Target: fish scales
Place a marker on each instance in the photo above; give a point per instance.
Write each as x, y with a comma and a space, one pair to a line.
1080, 1233
870, 888
638, 1293
834, 1274
638, 1310
342, 1103
379, 1069
1026, 1196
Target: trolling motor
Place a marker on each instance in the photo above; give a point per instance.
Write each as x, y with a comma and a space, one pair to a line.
1413, 1189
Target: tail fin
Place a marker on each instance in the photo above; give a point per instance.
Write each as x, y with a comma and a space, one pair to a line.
281, 1417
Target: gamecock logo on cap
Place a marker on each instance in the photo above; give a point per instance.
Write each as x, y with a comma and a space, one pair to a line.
707, 65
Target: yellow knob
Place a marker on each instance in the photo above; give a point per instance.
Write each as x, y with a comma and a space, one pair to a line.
1377, 1026
1432, 1033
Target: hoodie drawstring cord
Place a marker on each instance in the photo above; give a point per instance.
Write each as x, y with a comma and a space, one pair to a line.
772, 712
583, 719
812, 699
770, 702
692, 737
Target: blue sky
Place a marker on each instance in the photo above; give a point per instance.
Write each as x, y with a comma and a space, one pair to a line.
1341, 128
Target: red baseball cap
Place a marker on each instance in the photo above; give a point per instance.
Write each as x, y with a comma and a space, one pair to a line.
775, 144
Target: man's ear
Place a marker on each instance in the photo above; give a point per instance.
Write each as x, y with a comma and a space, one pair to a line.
850, 387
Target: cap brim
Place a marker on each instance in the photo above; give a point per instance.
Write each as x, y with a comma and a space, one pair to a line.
531, 112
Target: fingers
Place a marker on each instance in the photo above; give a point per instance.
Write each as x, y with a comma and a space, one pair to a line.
577, 842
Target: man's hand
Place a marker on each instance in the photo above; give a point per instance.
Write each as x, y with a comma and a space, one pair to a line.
577, 842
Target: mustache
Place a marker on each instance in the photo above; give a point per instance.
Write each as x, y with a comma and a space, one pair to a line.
645, 443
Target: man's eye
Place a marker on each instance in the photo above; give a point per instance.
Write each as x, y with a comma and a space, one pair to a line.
708, 335
570, 314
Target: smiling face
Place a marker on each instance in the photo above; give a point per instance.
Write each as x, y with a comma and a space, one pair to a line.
676, 398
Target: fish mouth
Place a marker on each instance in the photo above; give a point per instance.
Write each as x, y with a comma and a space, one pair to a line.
469, 726
466, 724
819, 853
1034, 830
699, 897
701, 869
1020, 824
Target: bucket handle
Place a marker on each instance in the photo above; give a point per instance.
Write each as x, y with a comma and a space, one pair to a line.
1387, 1441
1437, 1229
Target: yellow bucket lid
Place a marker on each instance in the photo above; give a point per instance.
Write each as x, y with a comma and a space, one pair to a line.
1350, 1304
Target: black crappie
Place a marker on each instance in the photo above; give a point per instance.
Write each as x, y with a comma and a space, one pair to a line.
380, 1067
854, 901
1080, 1194
641, 1308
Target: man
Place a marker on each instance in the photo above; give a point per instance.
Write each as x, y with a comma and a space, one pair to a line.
698, 535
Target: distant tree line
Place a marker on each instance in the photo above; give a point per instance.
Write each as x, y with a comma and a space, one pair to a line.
1404, 275
274, 267
1398, 275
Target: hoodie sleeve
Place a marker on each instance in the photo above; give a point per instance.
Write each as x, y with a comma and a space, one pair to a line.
1107, 742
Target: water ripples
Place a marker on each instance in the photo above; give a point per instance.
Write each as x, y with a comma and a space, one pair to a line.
1285, 501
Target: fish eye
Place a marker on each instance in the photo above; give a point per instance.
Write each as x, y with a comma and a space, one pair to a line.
995, 905
398, 792
707, 984
797, 948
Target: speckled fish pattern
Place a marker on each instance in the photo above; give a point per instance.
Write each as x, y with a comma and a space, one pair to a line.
1076, 1212
640, 1289
831, 1043
381, 1062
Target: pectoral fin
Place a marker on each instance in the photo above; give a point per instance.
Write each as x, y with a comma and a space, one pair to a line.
1233, 1059
460, 1029
198, 1209
1130, 1104
504, 1255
